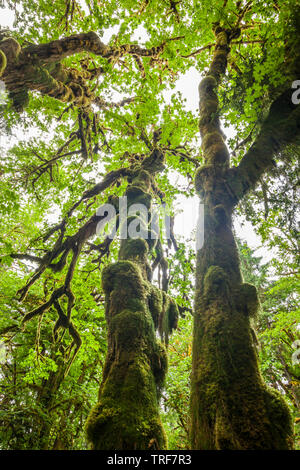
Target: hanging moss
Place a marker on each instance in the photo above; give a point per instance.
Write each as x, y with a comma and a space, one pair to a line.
168, 317
155, 302
160, 366
173, 315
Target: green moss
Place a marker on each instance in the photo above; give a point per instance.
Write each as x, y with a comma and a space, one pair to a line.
126, 416
160, 366
173, 315
142, 180
220, 215
155, 302
136, 195
249, 294
124, 275
215, 284
230, 405
168, 317
11, 48
128, 325
207, 84
217, 153
155, 162
280, 419
201, 175
3, 62
134, 249
210, 139
207, 111
20, 100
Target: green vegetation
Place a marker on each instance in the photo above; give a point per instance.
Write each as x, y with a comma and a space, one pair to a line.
113, 342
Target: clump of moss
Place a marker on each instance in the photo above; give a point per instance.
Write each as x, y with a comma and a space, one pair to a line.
136, 195
143, 180
220, 215
155, 162
127, 414
215, 284
11, 48
168, 318
20, 100
159, 366
202, 174
155, 302
134, 249
249, 293
217, 153
207, 84
123, 275
211, 139
280, 419
3, 62
246, 299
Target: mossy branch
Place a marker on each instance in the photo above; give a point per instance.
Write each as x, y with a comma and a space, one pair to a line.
280, 128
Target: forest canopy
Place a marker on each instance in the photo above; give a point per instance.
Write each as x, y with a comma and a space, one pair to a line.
119, 329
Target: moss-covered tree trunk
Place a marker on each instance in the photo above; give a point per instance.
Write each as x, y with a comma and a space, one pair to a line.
127, 414
231, 407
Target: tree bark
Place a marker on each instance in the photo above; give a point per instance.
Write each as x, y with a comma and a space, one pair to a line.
127, 414
231, 407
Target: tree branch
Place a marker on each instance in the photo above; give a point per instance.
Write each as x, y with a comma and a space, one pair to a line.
280, 128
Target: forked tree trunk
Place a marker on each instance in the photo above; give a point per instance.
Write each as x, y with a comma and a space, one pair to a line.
231, 407
127, 414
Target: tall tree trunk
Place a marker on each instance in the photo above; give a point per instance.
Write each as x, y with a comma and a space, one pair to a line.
231, 407
127, 414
